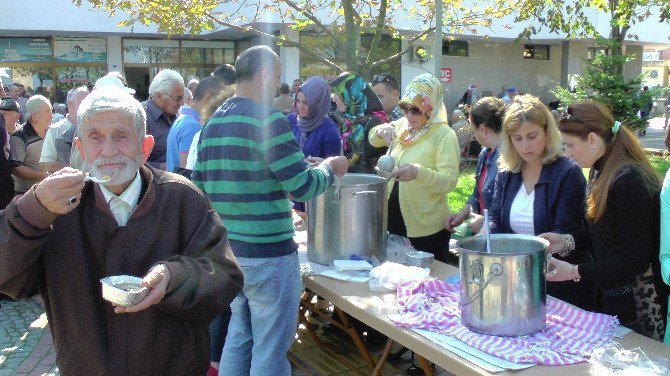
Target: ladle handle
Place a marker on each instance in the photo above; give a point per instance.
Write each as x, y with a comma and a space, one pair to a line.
487, 231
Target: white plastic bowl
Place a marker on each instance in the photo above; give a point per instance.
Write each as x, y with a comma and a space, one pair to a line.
123, 290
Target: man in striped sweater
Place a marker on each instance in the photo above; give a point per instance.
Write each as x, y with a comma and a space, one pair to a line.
248, 164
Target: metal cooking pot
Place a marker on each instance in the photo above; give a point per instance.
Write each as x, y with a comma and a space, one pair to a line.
348, 219
504, 292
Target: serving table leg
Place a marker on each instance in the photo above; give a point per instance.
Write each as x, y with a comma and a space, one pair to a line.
353, 333
425, 365
383, 357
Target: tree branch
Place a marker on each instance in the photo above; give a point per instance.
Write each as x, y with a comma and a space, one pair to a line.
406, 50
285, 42
316, 21
381, 21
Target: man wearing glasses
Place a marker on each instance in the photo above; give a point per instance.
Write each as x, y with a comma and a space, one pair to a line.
166, 95
387, 89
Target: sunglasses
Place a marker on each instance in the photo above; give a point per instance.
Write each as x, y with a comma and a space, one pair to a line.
381, 78
567, 115
414, 110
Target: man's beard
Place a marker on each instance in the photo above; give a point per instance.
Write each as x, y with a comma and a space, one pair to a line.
118, 177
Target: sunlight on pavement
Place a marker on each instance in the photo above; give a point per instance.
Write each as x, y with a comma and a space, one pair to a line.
41, 322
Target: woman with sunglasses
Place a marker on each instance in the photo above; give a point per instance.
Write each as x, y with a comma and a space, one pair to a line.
356, 109
622, 221
486, 118
315, 131
426, 156
538, 189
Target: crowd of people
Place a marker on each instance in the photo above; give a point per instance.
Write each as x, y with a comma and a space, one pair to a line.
238, 148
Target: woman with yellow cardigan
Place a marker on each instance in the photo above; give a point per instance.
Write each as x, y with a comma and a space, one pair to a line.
426, 156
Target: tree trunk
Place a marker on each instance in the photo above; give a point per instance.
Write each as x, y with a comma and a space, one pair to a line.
353, 33
617, 49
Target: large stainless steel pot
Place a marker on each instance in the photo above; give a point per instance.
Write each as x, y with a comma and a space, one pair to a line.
503, 293
348, 219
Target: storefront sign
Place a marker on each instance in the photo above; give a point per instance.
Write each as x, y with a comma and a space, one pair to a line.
13, 50
446, 75
80, 50
651, 56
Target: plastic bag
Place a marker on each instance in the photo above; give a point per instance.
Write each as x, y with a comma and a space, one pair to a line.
614, 360
387, 276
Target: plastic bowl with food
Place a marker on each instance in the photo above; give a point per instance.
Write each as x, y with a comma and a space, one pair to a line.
123, 290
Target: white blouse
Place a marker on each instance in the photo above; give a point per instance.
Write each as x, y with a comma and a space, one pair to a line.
521, 213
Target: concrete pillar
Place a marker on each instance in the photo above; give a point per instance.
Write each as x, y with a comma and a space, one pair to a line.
114, 54
633, 68
290, 57
573, 54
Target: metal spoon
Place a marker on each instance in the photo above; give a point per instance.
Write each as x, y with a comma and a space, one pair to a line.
104, 179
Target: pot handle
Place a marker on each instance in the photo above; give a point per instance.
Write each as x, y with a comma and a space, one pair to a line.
355, 194
546, 264
496, 270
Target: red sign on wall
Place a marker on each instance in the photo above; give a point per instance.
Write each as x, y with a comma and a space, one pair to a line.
446, 75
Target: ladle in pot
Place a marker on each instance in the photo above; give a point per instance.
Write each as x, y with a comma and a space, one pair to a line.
487, 231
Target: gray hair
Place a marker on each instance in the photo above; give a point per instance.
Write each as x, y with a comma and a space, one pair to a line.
164, 80
187, 95
71, 94
34, 103
110, 98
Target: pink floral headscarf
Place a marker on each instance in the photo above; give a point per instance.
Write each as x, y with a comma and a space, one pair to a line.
425, 93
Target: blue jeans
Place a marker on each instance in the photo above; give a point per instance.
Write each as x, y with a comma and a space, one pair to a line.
264, 321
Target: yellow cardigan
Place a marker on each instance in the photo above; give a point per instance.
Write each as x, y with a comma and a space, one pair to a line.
423, 201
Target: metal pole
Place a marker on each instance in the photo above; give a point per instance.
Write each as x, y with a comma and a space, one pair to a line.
437, 53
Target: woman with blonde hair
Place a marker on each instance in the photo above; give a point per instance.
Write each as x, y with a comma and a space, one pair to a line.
622, 221
538, 189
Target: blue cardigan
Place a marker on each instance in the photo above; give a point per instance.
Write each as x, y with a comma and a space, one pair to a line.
322, 142
558, 207
489, 181
559, 198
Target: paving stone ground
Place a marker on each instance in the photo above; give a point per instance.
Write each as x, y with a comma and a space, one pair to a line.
26, 347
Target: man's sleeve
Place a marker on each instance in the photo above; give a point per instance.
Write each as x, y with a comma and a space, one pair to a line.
206, 277
21, 243
17, 151
49, 146
185, 139
287, 161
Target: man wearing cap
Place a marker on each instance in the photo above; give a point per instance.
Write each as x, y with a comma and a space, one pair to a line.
387, 89
166, 95
15, 92
509, 97
65, 234
25, 144
57, 150
11, 112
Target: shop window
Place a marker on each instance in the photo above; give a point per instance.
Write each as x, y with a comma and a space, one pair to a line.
593, 51
536, 52
455, 48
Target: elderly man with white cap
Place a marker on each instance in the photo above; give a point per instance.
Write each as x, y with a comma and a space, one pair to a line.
66, 233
